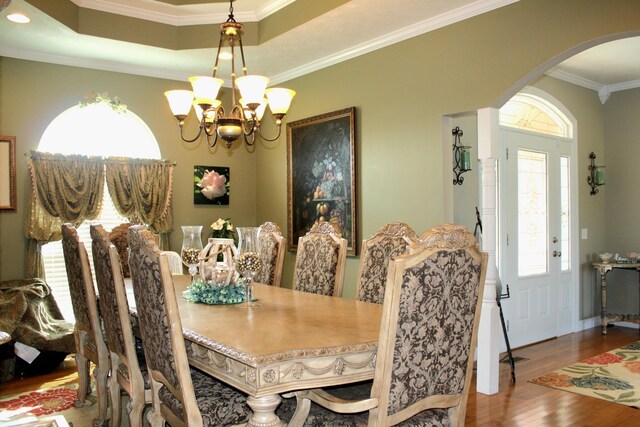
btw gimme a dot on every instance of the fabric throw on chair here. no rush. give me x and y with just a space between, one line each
613 376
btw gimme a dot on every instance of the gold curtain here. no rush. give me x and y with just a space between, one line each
68 187
141 191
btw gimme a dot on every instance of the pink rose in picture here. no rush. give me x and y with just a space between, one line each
213 185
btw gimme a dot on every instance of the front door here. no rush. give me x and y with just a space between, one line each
537 226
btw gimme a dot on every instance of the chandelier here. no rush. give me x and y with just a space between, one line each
245 114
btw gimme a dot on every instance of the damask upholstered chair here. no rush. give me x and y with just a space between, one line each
427 340
391 240
322 254
126 372
181 396
90 346
271 247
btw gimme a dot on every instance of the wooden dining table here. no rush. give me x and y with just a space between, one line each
284 341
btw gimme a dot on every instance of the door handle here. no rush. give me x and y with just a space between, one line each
556 253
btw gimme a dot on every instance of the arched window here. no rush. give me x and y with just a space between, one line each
92 130
531 112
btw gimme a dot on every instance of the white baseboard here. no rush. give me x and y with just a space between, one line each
595 321
627 325
589 323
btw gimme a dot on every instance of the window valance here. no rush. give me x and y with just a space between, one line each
69 188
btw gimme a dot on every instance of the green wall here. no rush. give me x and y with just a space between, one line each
404 92
403 95
622 226
33 93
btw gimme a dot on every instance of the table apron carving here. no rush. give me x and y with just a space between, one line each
283 376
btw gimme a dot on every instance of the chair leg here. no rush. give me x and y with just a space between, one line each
100 373
136 410
114 392
82 364
153 416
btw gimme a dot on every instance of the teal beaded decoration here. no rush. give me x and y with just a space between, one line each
207 293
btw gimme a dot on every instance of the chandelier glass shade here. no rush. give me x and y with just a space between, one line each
247 110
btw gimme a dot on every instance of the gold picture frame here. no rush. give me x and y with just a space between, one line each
321 175
8 173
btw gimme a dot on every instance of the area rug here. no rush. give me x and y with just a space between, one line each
47 402
612 376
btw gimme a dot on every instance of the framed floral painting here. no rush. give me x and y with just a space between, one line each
321 175
211 185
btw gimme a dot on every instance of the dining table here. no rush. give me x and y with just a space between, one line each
285 340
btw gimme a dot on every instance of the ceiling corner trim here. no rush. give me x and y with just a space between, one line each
574 79
174 16
271 8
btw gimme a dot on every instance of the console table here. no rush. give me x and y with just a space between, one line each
605 317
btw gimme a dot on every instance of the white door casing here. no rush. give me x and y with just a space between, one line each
544 294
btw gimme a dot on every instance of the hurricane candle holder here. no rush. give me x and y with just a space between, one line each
248 262
191 247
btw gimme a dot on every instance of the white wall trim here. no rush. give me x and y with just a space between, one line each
117 67
603 90
177 16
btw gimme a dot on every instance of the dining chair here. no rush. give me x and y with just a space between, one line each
389 241
271 248
127 374
180 396
90 346
175 262
428 335
320 261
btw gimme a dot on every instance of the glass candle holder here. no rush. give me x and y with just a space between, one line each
191 248
248 262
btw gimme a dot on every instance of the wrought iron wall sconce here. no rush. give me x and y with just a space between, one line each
461 157
596 175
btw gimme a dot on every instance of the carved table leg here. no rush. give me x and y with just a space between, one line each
264 411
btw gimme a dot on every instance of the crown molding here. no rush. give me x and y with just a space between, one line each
271 8
408 32
574 79
174 17
604 91
117 67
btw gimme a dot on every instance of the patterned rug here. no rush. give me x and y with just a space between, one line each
47 402
612 376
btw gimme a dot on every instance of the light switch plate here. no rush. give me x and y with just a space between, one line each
583 234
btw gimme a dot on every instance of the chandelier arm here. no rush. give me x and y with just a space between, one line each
194 138
250 130
215 140
253 139
274 138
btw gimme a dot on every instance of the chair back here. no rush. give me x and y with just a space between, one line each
320 260
271 248
391 240
429 329
118 236
114 306
83 293
161 330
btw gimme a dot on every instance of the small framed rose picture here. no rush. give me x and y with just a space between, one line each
211 185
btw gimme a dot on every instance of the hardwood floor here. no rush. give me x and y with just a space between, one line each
531 405
66 373
519 404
